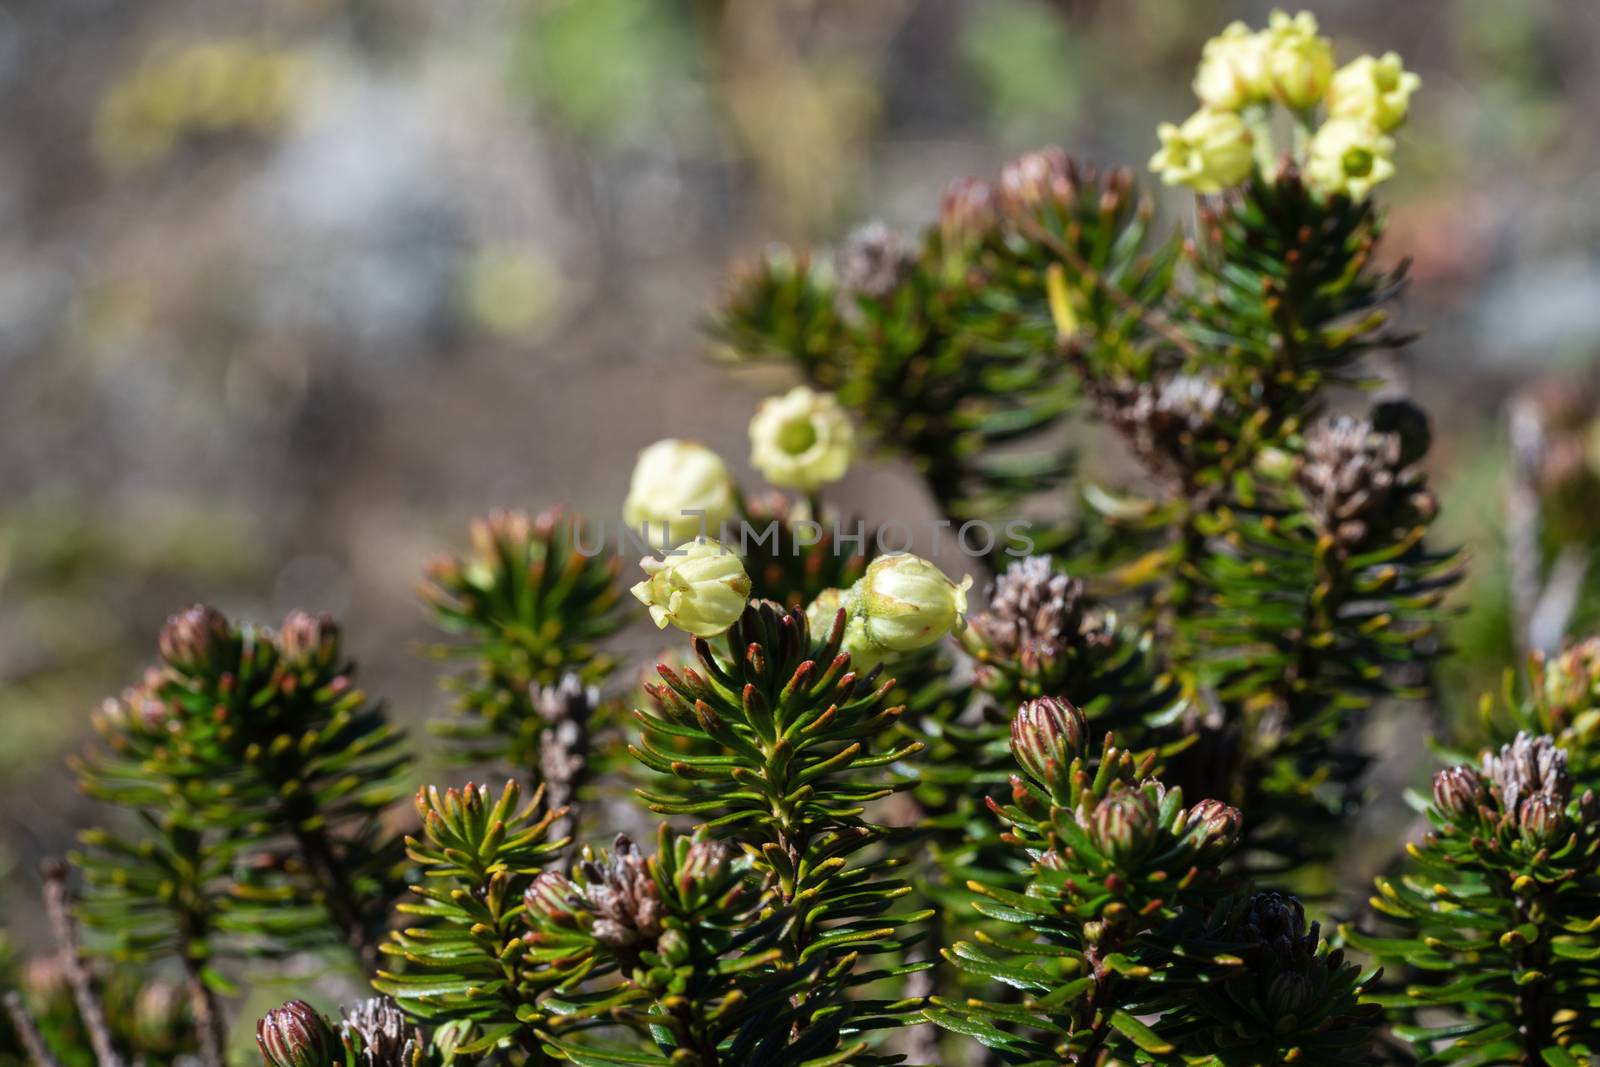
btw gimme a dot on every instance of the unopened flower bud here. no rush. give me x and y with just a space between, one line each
822 611
1211 151
1123 826
705 870
1232 70
802 439
1569 683
907 603
1457 792
967 214
306 640
1033 179
551 898
1348 157
1542 820
200 641
1299 63
1213 828
700 587
1375 91
295 1035
865 653
681 488
1290 994
1047 734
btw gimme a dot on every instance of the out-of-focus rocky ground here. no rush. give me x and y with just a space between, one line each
290 289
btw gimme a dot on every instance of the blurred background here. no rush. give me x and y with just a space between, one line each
291 289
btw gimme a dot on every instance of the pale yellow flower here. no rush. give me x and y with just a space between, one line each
802 439
1371 90
1210 151
1349 157
1299 63
1233 70
683 485
700 587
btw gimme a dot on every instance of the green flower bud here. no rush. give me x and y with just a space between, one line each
296 1036
705 870
967 215
673 479
200 641
1348 158
907 603
1374 91
1290 995
1568 684
865 653
306 640
1211 151
552 899
1213 828
1232 71
1299 63
1457 792
700 587
802 439
1047 734
1123 826
822 611
1033 180
1542 820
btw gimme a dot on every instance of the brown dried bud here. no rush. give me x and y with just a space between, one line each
1047 734
1527 766
1169 424
563 749
295 1035
384 1038
623 896
1356 481
871 263
1457 792
200 641
1035 614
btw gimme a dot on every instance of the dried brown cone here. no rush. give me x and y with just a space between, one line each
385 1038
872 263
1529 765
1357 483
623 896
1177 427
1034 610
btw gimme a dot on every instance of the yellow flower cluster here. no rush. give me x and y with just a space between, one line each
1244 72
225 85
